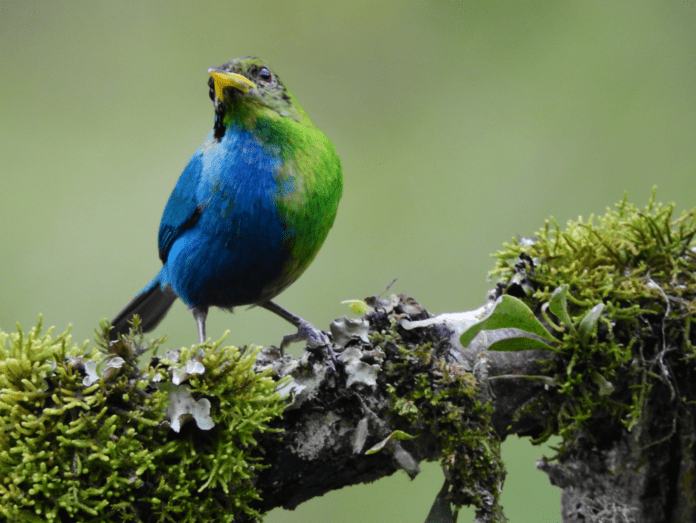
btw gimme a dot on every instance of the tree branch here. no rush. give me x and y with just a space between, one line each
587 336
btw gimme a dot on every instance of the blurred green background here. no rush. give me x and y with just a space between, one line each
459 125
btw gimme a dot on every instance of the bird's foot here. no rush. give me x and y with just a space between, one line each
316 339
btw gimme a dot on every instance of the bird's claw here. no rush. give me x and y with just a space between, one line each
315 338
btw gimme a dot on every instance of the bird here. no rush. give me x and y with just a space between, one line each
250 210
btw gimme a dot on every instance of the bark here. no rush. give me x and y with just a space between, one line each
645 474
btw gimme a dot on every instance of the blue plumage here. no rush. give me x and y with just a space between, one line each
236 249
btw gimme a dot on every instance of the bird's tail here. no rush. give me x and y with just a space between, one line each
151 304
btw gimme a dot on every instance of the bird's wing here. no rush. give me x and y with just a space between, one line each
183 208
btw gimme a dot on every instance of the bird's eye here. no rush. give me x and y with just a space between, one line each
265 74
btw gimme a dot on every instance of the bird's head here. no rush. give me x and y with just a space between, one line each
246 88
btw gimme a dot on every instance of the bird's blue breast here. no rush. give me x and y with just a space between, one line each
221 238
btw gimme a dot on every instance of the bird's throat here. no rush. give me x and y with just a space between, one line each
219 125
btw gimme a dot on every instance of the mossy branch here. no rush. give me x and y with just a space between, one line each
226 434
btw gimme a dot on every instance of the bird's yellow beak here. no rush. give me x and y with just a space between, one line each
224 79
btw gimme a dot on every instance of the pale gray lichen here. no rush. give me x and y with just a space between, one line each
358 372
344 330
182 407
191 367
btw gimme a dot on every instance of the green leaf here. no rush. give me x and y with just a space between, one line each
358 307
508 312
559 305
588 323
605 387
397 434
517 343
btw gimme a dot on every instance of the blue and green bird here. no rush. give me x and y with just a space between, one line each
251 209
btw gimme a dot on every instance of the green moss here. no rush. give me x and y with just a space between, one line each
437 399
73 450
640 264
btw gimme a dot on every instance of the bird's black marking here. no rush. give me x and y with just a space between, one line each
218 126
